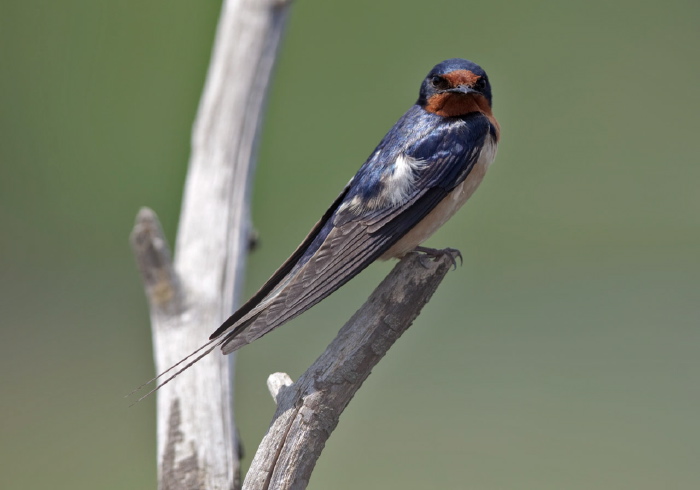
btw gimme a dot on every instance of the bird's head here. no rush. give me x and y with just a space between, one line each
454 88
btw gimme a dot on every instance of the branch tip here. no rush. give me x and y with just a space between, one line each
275 383
153 258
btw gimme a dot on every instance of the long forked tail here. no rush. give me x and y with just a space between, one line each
199 355
190 360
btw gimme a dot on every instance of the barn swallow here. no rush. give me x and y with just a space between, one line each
420 174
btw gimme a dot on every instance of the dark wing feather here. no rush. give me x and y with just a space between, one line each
346 251
347 240
283 270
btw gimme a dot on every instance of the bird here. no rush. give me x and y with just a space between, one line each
423 170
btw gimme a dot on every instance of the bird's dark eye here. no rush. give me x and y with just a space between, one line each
439 82
480 84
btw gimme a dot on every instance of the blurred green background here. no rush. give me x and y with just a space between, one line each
564 354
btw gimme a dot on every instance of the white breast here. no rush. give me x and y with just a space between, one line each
447 207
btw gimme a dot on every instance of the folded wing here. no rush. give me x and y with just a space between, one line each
362 224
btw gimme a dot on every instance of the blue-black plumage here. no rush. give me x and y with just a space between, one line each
428 164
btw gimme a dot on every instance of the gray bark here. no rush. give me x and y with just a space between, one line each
308 410
190 297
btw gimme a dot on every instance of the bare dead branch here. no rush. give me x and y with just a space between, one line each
190 297
308 410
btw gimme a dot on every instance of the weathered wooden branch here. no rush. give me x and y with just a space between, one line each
189 297
277 381
308 410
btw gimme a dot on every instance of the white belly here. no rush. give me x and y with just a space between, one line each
446 208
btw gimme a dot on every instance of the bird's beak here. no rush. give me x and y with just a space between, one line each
462 89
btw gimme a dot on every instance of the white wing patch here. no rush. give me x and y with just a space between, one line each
396 188
399 184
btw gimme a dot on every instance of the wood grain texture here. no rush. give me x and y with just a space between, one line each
190 296
308 410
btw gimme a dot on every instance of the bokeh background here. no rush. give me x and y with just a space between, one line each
564 354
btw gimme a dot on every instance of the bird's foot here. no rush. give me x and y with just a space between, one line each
434 253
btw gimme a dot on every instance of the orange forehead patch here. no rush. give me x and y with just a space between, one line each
461 77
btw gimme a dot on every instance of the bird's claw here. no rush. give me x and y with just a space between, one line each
434 253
